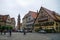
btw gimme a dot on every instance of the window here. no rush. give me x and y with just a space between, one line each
29 18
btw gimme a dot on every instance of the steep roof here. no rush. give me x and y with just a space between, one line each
13 20
52 14
4 17
32 13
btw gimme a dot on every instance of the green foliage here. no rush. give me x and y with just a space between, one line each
0 27
7 27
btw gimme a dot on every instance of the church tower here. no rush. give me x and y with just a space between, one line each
18 22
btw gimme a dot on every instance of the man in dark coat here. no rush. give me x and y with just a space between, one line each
10 32
24 31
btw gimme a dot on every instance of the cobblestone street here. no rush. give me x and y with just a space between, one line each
31 36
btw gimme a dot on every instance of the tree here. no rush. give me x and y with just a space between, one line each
8 27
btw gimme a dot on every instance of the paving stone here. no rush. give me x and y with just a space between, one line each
31 36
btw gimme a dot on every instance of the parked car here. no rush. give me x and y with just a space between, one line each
21 31
42 31
29 30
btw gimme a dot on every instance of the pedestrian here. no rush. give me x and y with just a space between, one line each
10 32
24 31
5 32
1 31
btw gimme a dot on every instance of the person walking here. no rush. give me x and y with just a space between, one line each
5 32
10 32
24 31
1 31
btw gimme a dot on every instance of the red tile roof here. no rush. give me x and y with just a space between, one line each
51 13
32 13
12 19
4 17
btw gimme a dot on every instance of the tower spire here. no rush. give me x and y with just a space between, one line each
18 24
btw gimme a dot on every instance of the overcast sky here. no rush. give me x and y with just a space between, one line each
15 7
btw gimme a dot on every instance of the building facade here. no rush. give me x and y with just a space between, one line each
28 20
47 20
5 20
13 23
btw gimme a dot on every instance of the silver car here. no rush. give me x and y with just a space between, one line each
42 31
